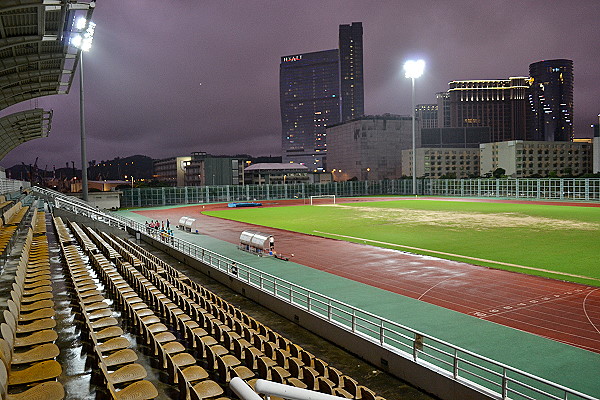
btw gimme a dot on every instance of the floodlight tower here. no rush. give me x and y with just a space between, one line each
82 39
413 70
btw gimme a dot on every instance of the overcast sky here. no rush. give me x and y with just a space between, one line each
166 78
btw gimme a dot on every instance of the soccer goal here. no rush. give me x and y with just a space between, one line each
322 199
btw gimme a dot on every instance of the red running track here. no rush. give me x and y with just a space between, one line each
562 311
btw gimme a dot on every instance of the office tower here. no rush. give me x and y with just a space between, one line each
499 104
309 100
351 71
319 89
551 100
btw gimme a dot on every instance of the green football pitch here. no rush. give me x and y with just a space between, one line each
561 242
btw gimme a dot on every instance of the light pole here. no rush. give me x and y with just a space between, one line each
413 70
83 41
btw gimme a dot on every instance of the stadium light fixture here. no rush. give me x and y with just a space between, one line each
82 39
413 69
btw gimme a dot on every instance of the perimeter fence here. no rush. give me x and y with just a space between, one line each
491 378
581 189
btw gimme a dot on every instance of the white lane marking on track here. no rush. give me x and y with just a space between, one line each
585 311
461 256
529 303
439 283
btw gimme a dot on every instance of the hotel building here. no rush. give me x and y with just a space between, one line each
316 90
499 104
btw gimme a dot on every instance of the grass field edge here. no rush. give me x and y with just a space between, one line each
587 280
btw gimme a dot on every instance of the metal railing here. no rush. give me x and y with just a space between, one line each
12 185
495 379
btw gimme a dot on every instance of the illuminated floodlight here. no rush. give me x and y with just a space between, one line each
80 23
83 39
76 40
414 68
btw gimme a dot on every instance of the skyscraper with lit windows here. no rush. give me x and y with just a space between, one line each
352 88
497 103
319 89
309 99
550 100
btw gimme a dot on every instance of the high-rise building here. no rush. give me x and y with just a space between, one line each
443 103
319 89
551 100
352 102
499 104
309 99
427 115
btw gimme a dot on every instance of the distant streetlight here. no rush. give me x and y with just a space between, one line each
82 39
413 70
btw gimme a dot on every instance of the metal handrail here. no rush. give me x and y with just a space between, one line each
428 351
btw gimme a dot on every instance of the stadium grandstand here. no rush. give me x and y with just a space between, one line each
96 304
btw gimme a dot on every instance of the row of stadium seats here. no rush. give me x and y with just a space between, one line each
4 203
263 350
27 350
11 220
160 342
199 340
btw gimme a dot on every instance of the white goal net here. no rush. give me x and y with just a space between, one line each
322 199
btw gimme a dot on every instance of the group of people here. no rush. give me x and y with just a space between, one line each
160 228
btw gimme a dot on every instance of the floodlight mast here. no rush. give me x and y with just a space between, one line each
82 40
413 69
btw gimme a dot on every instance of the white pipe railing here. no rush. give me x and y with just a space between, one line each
243 391
488 376
289 392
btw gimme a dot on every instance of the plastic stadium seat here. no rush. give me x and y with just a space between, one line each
51 390
41 371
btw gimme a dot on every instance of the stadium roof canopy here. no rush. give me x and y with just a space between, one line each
20 127
36 58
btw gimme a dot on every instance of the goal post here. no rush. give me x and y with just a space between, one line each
322 199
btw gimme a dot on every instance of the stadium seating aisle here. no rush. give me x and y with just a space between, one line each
179 366
27 350
113 361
